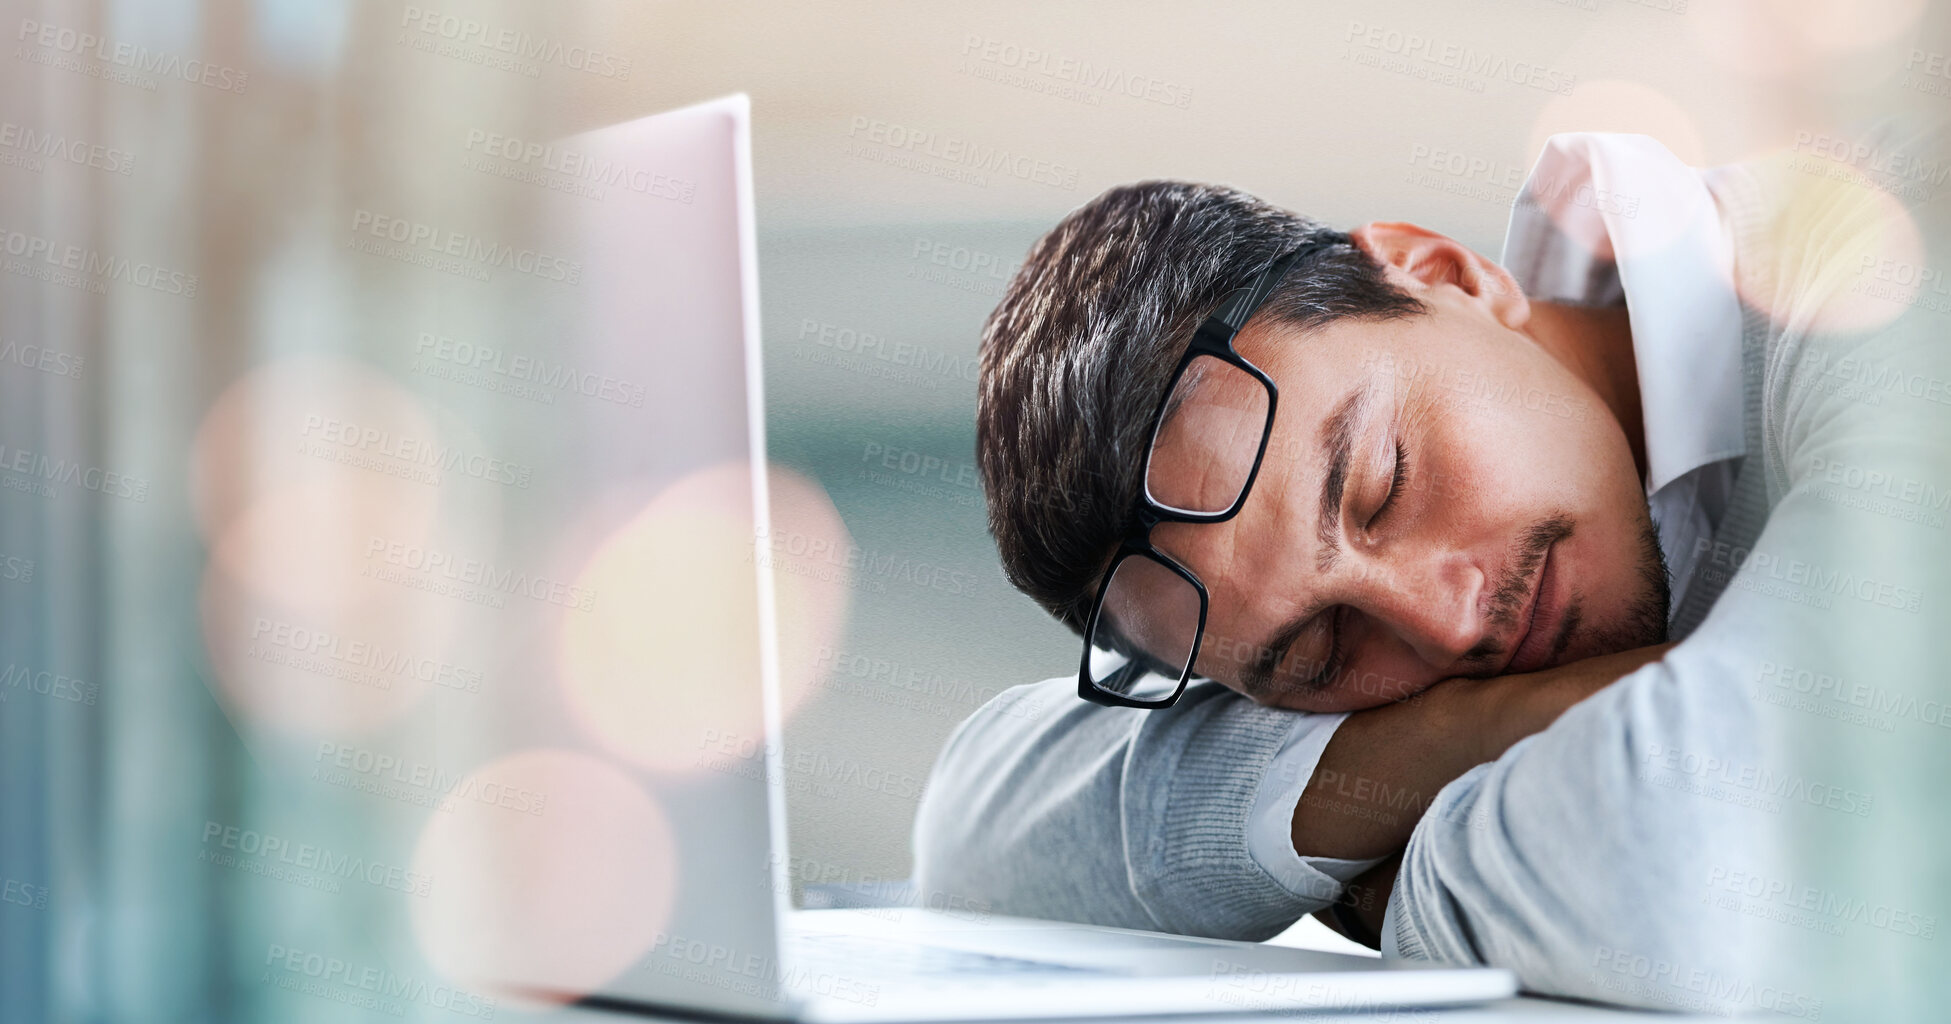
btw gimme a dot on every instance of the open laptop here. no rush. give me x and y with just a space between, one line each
662 231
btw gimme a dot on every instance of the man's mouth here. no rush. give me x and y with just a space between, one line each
1542 618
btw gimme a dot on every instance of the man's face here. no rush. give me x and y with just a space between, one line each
1440 497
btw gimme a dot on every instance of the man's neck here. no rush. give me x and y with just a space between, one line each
1596 344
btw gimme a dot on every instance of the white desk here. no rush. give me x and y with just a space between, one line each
1312 934
1521 1010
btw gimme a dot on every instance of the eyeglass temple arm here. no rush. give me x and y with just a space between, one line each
1238 306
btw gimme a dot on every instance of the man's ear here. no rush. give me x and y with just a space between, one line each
1429 260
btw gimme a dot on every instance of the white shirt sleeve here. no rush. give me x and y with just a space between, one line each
1270 825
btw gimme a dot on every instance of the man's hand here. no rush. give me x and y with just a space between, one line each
1357 913
1385 765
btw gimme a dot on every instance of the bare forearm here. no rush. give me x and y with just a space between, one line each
1385 765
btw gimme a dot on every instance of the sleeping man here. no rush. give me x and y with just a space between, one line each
1453 598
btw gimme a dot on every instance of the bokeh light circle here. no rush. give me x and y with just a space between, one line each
1619 105
1839 239
669 657
298 470
550 872
1768 39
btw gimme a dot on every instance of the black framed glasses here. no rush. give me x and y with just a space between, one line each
1208 438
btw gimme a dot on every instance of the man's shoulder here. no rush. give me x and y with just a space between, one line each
1057 697
1842 307
1049 713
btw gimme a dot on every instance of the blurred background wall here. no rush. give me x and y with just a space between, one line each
906 154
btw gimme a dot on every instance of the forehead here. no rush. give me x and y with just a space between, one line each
1207 443
1319 364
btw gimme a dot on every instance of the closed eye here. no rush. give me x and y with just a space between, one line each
1396 482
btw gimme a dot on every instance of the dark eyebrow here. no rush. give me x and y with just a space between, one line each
1337 437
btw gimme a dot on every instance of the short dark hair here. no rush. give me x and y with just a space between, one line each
1076 355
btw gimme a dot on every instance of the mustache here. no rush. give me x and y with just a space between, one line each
1508 597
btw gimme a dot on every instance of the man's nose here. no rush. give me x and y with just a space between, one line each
1431 602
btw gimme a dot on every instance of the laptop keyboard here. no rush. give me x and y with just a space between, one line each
842 953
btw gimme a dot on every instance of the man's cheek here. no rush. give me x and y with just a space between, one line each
1226 659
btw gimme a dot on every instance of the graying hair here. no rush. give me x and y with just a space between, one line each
1077 353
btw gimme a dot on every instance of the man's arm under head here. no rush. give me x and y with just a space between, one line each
1385 765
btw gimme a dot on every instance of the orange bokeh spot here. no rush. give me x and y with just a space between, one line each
1618 105
550 872
1777 38
302 469
317 432
668 658
1840 252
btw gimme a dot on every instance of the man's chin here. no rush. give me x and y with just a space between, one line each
1640 622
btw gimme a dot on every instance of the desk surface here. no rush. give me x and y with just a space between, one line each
1311 934
1521 1010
